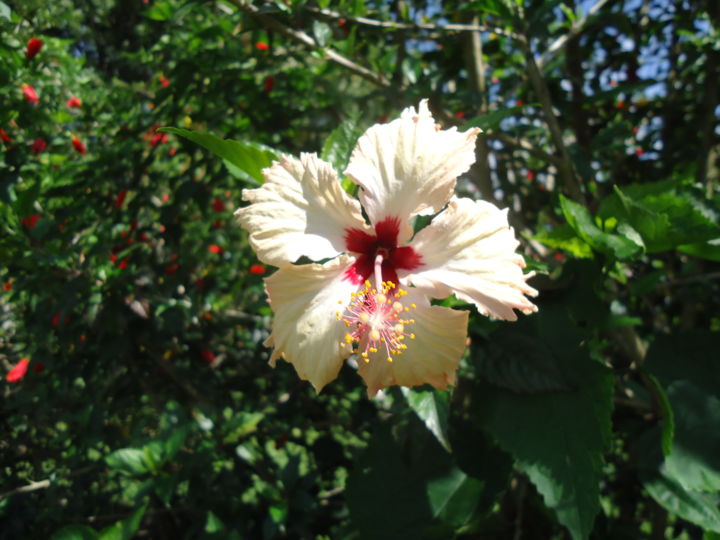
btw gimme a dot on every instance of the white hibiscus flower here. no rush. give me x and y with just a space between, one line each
371 297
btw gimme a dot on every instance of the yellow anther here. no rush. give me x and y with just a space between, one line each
380 298
413 306
412 336
339 301
399 328
389 359
407 309
364 355
348 338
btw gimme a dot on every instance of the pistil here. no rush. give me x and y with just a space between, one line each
373 318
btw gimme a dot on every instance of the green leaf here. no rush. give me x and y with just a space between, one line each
340 143
666 214
518 362
684 356
565 238
213 524
502 8
454 497
405 485
582 222
75 532
242 425
704 250
130 461
160 11
696 507
322 33
432 407
668 417
5 11
695 458
125 529
175 441
557 439
248 157
382 482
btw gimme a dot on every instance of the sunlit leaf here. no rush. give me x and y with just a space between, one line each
431 406
250 158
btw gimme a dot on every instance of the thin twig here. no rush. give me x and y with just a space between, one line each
566 168
576 29
305 39
392 25
43 484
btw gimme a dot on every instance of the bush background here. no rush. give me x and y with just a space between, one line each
148 409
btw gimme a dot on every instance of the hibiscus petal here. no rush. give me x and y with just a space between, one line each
301 209
409 166
305 331
431 358
469 250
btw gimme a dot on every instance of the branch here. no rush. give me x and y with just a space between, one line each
565 167
392 25
42 484
575 30
305 39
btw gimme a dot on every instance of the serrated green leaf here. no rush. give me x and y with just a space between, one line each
565 238
520 363
432 408
696 507
580 219
695 458
250 158
666 214
129 461
340 143
558 439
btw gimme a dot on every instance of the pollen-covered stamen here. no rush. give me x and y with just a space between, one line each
375 318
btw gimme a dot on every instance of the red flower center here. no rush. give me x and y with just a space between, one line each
383 243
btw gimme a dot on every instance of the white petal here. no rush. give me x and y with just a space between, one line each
301 209
469 250
409 166
431 358
305 330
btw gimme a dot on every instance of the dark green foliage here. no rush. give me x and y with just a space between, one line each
148 409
